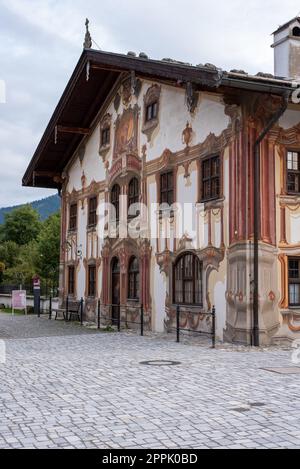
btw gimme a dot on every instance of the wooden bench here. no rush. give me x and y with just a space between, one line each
73 311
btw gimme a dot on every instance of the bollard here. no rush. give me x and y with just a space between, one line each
50 307
178 324
99 314
214 327
81 312
39 307
67 308
142 320
119 318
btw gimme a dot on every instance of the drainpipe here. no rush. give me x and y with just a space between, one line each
257 220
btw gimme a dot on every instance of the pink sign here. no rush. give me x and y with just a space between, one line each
18 299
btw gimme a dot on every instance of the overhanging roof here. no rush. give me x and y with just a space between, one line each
83 99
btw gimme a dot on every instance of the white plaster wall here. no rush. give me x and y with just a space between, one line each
158 296
220 304
289 119
295 228
281 60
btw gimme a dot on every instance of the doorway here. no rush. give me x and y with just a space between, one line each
115 290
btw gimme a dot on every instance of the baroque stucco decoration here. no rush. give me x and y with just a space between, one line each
152 96
192 97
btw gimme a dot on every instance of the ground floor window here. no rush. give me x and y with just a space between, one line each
133 279
92 280
187 285
71 280
294 281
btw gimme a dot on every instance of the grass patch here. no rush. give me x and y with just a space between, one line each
9 311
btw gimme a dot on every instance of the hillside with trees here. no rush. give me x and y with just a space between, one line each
45 207
29 246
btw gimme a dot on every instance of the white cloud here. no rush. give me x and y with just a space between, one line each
40 43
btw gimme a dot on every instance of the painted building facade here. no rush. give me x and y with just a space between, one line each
155 164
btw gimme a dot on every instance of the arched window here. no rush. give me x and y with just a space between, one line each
187 286
133 279
296 31
115 201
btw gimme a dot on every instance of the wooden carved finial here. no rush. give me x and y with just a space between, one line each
88 39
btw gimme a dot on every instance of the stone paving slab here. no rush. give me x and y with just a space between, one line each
89 390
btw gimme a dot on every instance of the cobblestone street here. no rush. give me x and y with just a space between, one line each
67 387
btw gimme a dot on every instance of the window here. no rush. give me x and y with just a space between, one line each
92 280
93 211
167 188
296 31
133 195
151 111
187 284
133 279
211 178
294 281
71 280
293 172
73 217
105 136
115 201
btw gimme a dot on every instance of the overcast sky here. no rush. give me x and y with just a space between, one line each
41 41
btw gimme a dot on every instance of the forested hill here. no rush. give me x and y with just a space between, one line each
45 207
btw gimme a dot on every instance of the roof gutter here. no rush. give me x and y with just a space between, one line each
257 219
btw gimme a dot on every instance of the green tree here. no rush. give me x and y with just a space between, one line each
23 267
21 226
9 252
48 248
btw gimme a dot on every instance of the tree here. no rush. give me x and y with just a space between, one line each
21 226
48 249
9 252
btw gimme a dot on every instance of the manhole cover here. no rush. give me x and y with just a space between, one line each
284 371
160 363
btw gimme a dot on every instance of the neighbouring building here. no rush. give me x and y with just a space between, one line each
219 150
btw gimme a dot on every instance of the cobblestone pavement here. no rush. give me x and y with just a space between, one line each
89 390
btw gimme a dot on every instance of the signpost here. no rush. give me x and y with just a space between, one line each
37 294
18 301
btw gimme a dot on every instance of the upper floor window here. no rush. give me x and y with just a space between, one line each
211 179
133 279
293 172
115 201
294 281
92 220
167 188
92 280
133 196
105 136
151 111
71 280
187 286
73 217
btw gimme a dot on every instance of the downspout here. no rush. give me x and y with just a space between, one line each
256 203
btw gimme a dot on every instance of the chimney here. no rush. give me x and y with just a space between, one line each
287 50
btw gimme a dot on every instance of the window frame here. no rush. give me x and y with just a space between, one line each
72 217
211 178
92 282
115 203
168 190
71 280
134 198
293 172
153 106
92 213
105 136
133 280
293 281
185 279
